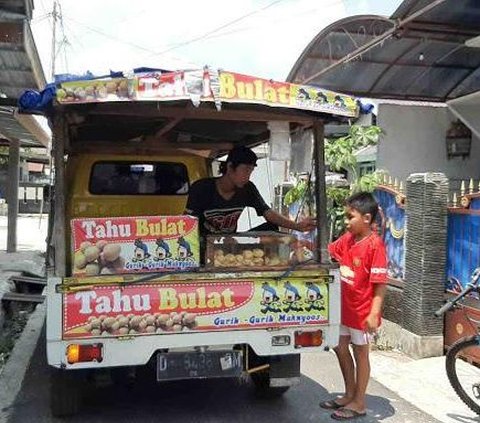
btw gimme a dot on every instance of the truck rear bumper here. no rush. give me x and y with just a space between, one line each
138 350
135 350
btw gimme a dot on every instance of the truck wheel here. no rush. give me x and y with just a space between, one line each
261 382
66 387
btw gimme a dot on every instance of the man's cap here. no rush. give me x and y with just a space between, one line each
242 155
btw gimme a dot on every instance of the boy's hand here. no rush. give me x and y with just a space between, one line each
371 323
306 225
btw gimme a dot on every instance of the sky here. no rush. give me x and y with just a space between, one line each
257 37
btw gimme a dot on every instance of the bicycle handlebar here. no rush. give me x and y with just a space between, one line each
471 286
447 306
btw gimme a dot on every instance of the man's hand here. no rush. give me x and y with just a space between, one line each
306 225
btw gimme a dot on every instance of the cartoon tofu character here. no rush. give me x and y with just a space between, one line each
270 299
292 298
339 101
162 250
303 94
184 250
313 298
140 251
321 98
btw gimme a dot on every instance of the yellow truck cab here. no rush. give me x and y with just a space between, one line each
126 286
104 185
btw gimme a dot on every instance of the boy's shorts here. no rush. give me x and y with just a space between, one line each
357 336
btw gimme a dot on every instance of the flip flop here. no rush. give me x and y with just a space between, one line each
330 405
347 414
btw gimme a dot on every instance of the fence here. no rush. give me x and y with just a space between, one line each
463 243
391 199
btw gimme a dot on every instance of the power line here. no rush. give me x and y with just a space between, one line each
65 41
54 40
43 6
72 33
275 21
113 37
214 33
175 46
129 17
39 19
206 34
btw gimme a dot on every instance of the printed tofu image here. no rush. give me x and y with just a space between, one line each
138 244
101 258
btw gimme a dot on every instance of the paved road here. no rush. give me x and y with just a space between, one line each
217 401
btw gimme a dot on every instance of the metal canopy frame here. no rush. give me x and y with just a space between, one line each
419 53
147 126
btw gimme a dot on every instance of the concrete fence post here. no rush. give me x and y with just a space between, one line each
425 261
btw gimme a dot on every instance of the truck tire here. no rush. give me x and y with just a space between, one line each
261 382
66 389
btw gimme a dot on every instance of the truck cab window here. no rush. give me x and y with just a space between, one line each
135 178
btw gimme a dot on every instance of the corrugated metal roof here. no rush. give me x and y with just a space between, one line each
417 54
21 7
20 70
20 66
10 127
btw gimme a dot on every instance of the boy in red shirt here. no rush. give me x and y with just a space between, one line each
363 274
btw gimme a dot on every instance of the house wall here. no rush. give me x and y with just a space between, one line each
414 141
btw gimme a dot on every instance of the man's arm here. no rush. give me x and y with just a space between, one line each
304 225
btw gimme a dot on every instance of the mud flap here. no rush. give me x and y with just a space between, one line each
284 370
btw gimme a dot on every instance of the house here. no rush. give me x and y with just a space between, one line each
21 70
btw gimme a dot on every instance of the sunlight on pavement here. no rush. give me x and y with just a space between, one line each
31 232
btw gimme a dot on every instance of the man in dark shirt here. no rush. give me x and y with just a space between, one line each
219 202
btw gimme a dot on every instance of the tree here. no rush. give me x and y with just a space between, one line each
340 155
340 152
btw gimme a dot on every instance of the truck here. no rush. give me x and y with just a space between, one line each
130 287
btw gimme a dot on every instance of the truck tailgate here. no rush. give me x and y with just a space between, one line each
114 307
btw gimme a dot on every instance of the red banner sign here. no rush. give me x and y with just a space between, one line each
186 306
208 85
134 244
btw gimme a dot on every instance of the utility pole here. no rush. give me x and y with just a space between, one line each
12 193
54 41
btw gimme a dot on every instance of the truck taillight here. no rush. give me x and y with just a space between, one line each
308 339
79 353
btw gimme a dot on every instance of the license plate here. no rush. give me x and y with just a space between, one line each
199 365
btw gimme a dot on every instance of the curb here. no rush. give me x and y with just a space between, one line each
11 378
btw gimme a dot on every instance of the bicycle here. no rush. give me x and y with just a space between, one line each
464 376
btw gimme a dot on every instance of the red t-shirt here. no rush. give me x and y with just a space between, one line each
362 264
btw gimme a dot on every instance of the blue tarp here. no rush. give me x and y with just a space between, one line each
32 101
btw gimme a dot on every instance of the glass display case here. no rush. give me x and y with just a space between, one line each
246 250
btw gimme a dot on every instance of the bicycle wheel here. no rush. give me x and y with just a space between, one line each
462 371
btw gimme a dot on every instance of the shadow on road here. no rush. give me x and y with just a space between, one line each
378 408
212 401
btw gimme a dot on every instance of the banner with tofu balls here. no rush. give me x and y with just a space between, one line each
103 246
195 305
